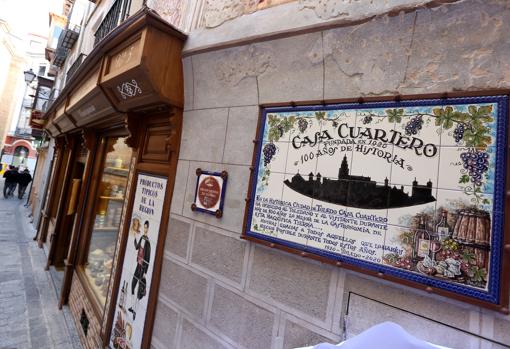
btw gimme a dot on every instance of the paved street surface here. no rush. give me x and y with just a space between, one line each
29 315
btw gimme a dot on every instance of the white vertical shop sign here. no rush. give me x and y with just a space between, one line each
135 282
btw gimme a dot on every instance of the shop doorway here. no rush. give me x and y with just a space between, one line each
70 199
20 156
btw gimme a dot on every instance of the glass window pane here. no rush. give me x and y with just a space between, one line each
107 210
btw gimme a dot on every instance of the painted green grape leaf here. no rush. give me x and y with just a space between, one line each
320 115
477 274
279 127
272 120
468 256
464 179
288 123
478 137
486 201
480 115
438 112
394 115
448 123
446 117
274 134
461 117
407 238
481 112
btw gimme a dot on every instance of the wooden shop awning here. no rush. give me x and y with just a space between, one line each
136 67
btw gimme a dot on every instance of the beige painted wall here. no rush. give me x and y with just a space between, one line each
218 291
11 76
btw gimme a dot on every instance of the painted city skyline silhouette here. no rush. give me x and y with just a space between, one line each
359 191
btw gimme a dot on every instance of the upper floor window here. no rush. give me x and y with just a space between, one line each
36 46
42 70
55 36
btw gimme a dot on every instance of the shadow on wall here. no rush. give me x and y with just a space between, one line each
363 312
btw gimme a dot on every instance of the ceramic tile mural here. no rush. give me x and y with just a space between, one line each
136 277
413 189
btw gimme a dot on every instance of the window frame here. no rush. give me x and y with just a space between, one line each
89 218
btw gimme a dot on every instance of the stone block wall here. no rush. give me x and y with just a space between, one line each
218 291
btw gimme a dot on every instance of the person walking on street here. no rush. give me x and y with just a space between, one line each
11 180
24 178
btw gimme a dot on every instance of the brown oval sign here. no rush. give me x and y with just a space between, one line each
209 192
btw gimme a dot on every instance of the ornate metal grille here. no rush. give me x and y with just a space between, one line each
116 15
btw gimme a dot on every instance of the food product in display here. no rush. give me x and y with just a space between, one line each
98 269
108 210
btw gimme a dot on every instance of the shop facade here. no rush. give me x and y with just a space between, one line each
116 131
135 132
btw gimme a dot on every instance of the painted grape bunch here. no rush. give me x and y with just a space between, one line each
302 125
458 133
414 125
281 130
405 263
367 119
476 163
269 151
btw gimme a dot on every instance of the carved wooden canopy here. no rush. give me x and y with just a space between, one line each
122 76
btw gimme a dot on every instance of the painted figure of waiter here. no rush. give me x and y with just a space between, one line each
143 257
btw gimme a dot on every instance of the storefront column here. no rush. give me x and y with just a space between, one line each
63 179
51 193
90 142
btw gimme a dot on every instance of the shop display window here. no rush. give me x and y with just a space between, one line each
108 211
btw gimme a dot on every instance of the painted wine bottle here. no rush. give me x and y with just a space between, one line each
122 295
442 227
421 241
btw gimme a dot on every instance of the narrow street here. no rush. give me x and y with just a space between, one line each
29 315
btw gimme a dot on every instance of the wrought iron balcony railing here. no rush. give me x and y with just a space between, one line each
46 104
23 131
69 36
66 40
116 15
60 56
74 67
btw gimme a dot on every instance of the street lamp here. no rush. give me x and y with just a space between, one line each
29 76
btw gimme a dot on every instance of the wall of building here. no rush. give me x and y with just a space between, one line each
32 50
218 291
11 79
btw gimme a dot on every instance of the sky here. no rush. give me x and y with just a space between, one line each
29 16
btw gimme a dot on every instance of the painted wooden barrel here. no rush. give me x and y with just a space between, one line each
473 227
